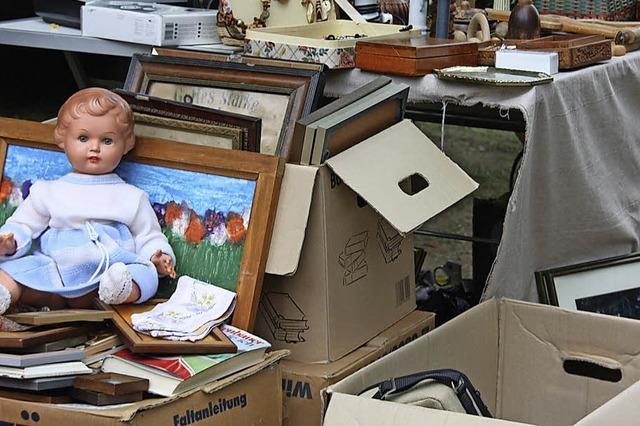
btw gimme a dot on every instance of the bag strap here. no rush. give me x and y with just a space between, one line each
468 395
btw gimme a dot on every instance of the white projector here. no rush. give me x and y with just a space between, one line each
154 24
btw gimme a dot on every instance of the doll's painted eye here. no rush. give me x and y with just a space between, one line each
108 141
83 138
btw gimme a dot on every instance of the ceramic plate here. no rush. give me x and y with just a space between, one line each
493 76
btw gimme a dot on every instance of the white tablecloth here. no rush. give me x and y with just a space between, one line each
577 196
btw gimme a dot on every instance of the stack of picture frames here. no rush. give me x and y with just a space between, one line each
216 206
278 92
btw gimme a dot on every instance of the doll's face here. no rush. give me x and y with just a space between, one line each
94 145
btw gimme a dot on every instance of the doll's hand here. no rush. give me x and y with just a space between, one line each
163 263
7 244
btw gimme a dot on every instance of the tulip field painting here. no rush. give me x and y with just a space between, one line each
205 217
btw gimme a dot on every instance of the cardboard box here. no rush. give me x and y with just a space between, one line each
149 23
302 383
534 364
290 36
307 42
245 398
354 275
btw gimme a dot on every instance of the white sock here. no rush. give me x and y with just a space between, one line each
116 284
5 300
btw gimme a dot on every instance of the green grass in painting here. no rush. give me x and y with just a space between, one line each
219 265
5 212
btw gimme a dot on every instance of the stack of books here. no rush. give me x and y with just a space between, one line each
171 375
46 351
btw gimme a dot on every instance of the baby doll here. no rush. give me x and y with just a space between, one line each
90 230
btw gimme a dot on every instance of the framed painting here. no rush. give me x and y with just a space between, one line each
608 286
278 95
216 206
180 122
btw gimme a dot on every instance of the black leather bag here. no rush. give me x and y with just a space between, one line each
444 389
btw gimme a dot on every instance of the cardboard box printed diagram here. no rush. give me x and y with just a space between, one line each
533 364
340 267
245 398
302 383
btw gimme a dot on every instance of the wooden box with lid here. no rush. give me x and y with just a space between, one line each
413 56
574 51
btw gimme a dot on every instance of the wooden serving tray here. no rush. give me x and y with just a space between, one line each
573 51
413 56
139 343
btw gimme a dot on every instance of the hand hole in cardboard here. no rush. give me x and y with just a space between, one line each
593 370
413 184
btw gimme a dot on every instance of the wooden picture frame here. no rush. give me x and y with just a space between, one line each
185 123
59 316
111 383
100 399
342 129
54 396
609 286
278 95
261 174
139 343
30 338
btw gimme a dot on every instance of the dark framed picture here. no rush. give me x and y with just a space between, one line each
608 286
215 206
185 123
278 95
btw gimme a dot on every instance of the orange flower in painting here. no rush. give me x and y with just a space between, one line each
236 229
196 230
173 213
5 188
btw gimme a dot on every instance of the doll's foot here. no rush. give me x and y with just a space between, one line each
116 284
5 300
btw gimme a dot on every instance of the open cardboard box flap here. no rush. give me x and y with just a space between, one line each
373 169
128 411
291 219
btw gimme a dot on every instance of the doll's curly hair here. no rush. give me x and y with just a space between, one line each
95 101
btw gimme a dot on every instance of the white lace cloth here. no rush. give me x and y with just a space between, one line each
190 314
